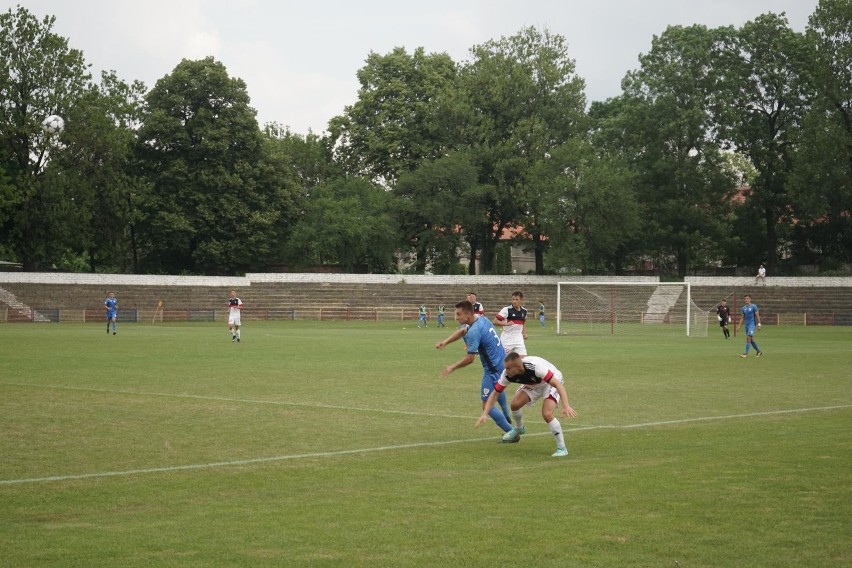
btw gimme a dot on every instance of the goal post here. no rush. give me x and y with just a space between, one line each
629 308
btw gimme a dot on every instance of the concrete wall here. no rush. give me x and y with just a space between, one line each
243 281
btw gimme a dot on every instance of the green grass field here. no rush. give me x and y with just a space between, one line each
339 444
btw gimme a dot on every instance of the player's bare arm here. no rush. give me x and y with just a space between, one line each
486 408
563 397
455 336
464 362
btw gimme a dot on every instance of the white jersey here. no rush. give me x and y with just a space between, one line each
234 307
536 380
537 370
512 336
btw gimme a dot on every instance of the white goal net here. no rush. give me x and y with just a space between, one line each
628 308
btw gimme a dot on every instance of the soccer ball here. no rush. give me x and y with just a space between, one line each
53 124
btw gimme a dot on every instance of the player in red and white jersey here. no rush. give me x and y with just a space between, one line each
513 320
235 305
539 379
478 309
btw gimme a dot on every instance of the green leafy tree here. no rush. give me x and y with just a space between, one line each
308 158
821 180
96 175
299 163
762 99
435 208
397 121
347 222
683 181
524 100
212 209
40 75
596 220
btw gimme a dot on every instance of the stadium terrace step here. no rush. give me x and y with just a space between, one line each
299 300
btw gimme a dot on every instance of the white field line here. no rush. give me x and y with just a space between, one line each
236 463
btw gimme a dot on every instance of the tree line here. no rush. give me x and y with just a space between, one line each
727 147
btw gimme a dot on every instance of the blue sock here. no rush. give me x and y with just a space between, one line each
748 346
497 416
756 348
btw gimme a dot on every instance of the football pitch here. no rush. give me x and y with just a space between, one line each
339 444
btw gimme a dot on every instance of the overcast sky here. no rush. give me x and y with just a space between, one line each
299 58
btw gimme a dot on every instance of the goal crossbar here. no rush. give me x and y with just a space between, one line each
612 307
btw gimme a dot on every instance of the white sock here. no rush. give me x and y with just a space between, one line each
518 418
556 430
238 334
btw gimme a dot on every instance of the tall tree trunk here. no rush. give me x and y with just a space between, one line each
474 246
538 250
771 238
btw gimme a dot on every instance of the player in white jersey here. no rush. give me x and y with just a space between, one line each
539 379
235 305
513 320
478 309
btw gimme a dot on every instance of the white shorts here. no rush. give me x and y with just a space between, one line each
234 320
541 390
514 347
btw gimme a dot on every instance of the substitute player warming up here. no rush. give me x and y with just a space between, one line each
539 379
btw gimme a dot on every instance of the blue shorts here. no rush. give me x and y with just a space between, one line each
489 379
111 314
750 329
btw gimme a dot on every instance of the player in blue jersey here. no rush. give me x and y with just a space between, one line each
111 307
481 338
751 319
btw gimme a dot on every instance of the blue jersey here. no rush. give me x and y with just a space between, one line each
482 338
749 311
111 304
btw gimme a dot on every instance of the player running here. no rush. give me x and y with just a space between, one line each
111 307
481 338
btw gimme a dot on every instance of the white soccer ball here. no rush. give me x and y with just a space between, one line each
53 124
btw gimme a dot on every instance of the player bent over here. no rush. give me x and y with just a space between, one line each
539 379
